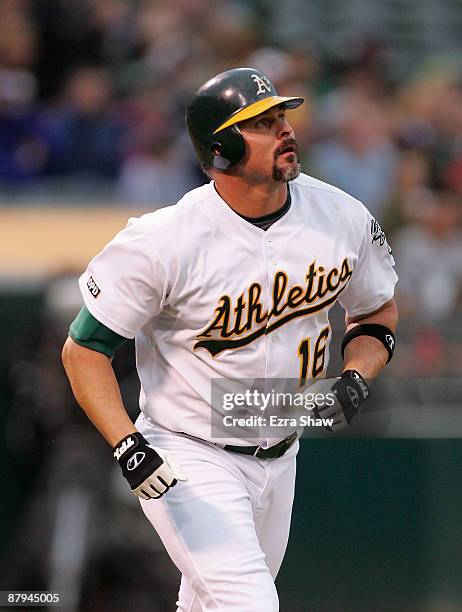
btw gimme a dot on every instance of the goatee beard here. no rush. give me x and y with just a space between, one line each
285 175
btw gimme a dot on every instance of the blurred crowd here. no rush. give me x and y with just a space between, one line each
93 92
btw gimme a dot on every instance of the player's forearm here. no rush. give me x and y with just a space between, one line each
96 389
367 354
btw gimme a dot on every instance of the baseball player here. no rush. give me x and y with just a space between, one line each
234 281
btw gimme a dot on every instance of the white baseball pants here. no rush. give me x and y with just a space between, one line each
226 528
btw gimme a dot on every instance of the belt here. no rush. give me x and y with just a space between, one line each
273 452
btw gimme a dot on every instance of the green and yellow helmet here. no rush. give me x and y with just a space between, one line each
220 104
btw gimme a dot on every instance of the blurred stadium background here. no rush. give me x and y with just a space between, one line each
92 98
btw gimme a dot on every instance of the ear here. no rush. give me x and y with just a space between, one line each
217 149
219 162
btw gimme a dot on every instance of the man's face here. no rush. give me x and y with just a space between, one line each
271 148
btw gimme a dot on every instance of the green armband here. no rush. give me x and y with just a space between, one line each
90 333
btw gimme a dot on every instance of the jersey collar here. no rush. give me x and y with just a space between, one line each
233 224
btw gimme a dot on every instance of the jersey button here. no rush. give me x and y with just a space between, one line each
274 338
274 260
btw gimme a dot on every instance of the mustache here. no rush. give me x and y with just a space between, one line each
290 144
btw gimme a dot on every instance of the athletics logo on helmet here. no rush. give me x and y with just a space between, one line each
220 104
264 85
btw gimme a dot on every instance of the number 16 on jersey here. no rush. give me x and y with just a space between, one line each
312 365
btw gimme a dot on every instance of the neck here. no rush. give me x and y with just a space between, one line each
250 200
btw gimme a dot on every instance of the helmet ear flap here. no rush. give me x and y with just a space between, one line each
219 162
217 149
229 150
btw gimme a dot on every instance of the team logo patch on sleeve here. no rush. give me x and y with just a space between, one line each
378 235
93 287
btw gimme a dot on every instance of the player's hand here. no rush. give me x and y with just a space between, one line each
350 391
149 470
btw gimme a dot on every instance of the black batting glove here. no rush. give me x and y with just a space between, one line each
344 398
150 471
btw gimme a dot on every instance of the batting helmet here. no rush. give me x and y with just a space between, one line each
220 104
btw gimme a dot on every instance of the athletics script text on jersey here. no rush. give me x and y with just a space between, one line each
322 287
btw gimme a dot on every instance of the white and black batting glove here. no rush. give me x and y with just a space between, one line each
149 470
344 397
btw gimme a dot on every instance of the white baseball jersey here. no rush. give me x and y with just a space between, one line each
209 295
